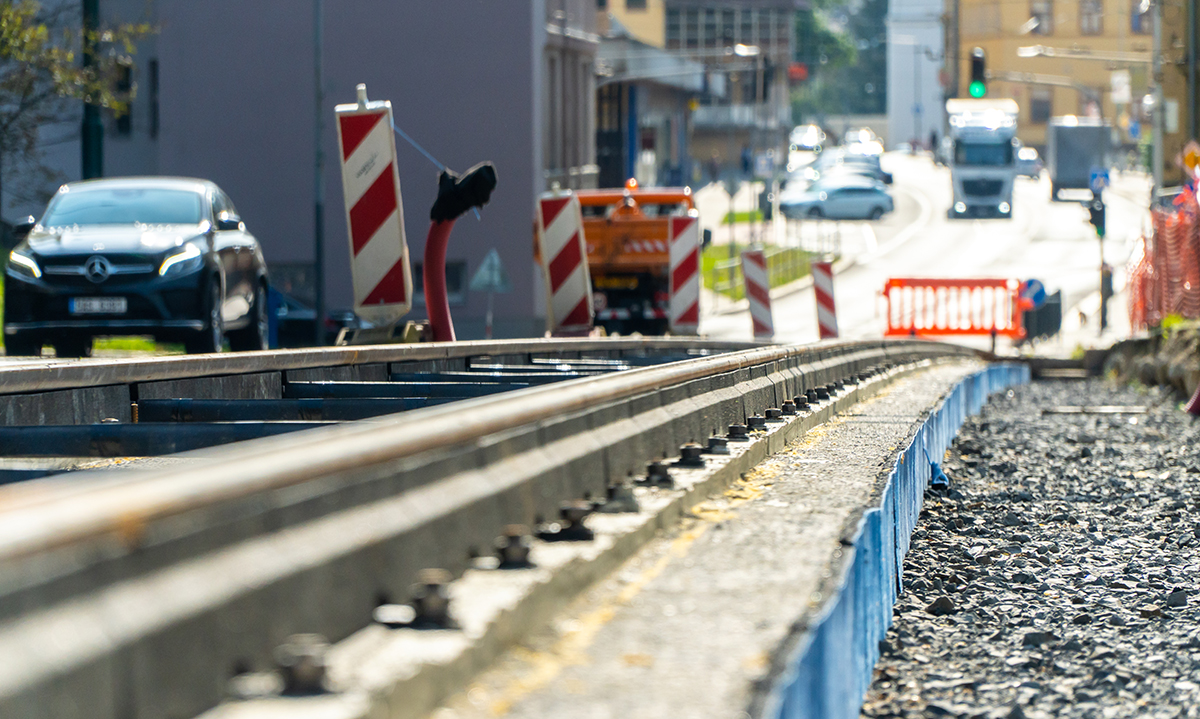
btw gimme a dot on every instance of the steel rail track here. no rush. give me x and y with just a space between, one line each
308 532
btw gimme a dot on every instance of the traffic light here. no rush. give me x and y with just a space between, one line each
978 86
1096 210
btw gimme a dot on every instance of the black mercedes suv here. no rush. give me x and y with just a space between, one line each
167 257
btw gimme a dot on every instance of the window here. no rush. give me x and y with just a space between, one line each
635 4
1091 17
1140 20
983 154
1043 12
601 4
1041 105
691 28
674 28
152 71
125 94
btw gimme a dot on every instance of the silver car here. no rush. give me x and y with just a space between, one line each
851 197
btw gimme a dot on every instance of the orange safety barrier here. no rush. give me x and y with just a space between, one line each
919 306
1164 269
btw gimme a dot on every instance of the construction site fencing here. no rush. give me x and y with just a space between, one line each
1164 268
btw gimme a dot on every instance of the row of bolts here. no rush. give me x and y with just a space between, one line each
301 660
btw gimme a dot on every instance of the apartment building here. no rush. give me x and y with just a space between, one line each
1098 45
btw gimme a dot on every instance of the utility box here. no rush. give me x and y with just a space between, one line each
1074 147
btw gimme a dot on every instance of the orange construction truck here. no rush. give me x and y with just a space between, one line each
628 254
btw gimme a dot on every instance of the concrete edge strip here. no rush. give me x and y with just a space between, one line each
830 667
418 688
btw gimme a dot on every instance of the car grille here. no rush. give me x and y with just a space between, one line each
72 271
982 188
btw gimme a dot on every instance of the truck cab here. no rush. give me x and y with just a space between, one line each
983 159
626 232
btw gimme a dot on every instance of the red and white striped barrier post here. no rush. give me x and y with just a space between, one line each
758 291
823 288
374 213
685 274
564 262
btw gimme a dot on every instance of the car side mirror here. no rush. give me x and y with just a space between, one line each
228 221
24 227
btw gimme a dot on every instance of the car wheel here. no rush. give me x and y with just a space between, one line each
816 212
257 335
22 345
73 347
876 213
212 337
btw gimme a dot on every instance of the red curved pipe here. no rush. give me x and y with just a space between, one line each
437 304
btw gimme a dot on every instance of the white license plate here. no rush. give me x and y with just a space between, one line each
99 305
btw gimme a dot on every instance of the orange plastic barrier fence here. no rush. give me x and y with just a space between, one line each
920 306
1164 269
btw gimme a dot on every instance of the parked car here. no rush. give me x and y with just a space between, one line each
168 257
840 159
1029 164
850 197
808 137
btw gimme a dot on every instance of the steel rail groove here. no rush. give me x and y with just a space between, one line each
306 532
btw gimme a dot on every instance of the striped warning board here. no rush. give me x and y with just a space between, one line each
685 274
564 262
374 213
823 288
758 292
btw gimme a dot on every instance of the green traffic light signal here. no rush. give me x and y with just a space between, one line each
977 89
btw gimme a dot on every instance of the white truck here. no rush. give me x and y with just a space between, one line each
983 160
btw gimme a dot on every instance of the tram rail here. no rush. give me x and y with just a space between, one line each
240 547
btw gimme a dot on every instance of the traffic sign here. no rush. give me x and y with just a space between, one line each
1099 180
1035 292
491 277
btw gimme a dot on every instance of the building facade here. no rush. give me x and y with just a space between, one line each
227 91
752 115
916 54
1117 33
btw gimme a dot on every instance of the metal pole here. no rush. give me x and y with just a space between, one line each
92 133
1191 71
1157 77
319 173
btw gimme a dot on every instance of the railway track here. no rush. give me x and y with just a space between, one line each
354 474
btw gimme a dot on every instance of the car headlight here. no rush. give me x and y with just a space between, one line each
186 260
24 265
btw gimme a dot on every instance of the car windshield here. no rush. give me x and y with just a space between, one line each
124 206
990 154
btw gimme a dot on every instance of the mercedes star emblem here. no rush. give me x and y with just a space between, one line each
97 269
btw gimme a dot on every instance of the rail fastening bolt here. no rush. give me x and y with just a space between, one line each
513 546
789 407
801 402
431 598
572 528
620 499
717 445
738 433
658 475
822 392
811 395
758 422
774 414
301 662
691 455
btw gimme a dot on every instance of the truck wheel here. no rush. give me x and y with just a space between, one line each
876 213
816 213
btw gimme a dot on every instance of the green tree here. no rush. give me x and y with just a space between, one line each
42 82
847 40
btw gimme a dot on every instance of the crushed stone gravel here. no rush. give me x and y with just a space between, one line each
1058 575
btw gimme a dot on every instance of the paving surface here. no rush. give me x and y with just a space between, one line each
689 626
1059 577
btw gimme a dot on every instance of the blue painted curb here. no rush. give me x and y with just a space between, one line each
833 665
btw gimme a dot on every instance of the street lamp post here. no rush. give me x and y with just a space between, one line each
1157 75
319 174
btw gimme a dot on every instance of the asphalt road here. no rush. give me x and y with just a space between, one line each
1049 241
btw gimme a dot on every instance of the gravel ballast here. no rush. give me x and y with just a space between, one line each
1058 576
